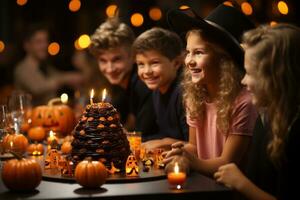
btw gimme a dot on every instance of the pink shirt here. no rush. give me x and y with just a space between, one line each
210 141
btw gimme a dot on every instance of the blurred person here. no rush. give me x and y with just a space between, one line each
111 44
34 74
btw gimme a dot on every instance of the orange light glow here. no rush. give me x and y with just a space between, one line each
104 93
111 10
283 7
2 46
53 48
21 2
76 45
155 14
247 8
137 19
273 23
84 41
228 3
74 5
184 7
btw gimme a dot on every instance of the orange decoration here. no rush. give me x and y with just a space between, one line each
35 149
113 169
21 174
37 133
132 167
52 159
66 147
19 141
90 174
59 118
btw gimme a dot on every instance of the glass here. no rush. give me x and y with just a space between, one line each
19 105
135 141
177 172
3 126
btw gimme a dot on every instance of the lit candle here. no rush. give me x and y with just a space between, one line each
91 96
104 95
11 144
176 177
51 137
64 98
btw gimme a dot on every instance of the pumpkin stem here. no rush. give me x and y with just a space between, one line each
16 155
54 101
89 159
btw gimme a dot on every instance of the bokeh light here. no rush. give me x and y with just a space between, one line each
155 14
137 19
74 5
247 8
53 48
184 7
84 41
273 23
2 46
228 3
21 2
283 7
111 10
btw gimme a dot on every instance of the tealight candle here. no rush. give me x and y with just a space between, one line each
104 95
176 177
51 138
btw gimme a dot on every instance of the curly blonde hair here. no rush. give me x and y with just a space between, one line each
195 95
111 34
278 69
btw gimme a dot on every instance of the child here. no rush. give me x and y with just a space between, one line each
159 59
111 45
272 74
220 114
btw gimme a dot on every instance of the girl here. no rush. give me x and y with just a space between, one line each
272 74
220 114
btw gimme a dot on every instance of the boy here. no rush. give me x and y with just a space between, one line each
159 59
111 45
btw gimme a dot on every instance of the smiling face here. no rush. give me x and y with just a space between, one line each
116 65
251 77
201 61
156 70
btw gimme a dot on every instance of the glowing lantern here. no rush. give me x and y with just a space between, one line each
132 167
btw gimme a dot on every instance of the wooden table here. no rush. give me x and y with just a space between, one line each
197 186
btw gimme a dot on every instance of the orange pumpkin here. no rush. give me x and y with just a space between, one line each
19 141
35 149
59 118
21 174
90 174
66 147
37 133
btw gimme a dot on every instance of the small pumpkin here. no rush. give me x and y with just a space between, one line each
66 147
90 174
35 149
59 118
19 142
21 174
37 133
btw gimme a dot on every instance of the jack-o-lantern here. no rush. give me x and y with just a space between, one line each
15 142
35 149
59 118
21 174
132 167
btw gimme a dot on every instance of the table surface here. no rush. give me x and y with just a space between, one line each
197 185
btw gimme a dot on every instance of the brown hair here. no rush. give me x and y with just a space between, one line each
111 34
278 67
194 95
161 40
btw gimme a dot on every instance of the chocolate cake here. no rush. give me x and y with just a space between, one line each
99 134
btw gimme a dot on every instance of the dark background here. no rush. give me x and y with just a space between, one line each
66 26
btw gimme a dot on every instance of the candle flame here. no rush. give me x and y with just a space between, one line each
176 168
104 94
11 144
64 98
92 94
51 134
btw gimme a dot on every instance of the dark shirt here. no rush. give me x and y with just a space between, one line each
137 100
170 115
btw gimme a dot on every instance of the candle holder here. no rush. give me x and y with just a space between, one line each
176 173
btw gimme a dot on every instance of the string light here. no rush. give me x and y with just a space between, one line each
111 10
53 48
74 5
184 7
84 41
21 2
2 46
137 19
247 8
283 7
155 14
228 3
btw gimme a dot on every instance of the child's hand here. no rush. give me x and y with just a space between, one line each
230 176
152 144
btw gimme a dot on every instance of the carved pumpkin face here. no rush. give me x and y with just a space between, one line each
59 118
132 167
